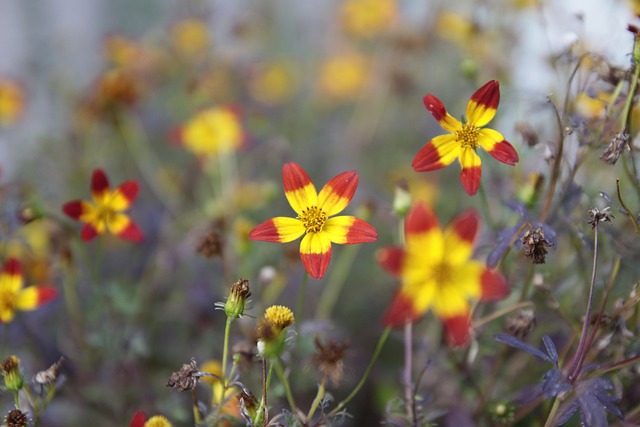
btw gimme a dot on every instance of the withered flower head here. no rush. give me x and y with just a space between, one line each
248 404
50 375
521 324
535 245
598 216
210 245
234 307
615 147
12 372
16 418
329 359
186 378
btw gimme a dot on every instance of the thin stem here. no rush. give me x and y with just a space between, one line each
277 364
626 209
626 112
376 353
484 201
225 350
408 352
552 414
581 353
555 171
319 396
196 412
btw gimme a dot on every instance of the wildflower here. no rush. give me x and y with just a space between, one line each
343 77
465 138
213 131
139 419
14 297
367 18
329 359
11 101
273 83
443 277
106 211
314 218
16 418
190 36
535 245
270 328
12 373
186 378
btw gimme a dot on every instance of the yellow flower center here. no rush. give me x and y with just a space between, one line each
468 136
279 316
313 219
7 301
442 273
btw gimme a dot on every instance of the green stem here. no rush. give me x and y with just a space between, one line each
225 350
485 207
319 397
337 279
626 209
552 414
277 364
376 354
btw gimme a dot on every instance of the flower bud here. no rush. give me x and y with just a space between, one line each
234 307
401 199
13 378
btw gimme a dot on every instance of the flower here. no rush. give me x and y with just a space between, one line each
437 273
314 211
212 131
367 18
11 101
269 330
14 297
442 150
106 211
190 36
139 419
343 77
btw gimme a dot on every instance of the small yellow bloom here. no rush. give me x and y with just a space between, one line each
190 36
273 83
213 131
279 316
592 107
344 77
367 18
121 51
157 421
11 101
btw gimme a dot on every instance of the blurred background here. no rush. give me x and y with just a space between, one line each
333 86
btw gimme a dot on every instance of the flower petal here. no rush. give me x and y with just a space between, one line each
494 143
99 186
138 419
471 170
400 311
460 235
122 226
494 286
278 230
89 232
298 188
315 252
441 151
458 329
483 104
77 209
391 259
33 297
420 219
337 193
11 277
452 298
349 230
124 195
436 108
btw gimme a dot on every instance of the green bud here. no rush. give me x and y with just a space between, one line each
13 378
234 307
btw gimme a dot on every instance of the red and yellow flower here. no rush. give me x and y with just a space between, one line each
107 210
465 138
437 273
315 219
140 419
13 296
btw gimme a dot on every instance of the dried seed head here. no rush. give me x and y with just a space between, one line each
521 324
50 375
248 403
186 378
535 245
329 359
614 149
16 418
210 245
598 216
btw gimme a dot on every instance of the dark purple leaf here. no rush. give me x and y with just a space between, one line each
503 240
520 345
551 349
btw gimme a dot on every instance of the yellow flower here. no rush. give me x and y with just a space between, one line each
14 297
157 421
367 18
190 36
279 316
592 107
213 131
344 77
11 101
272 83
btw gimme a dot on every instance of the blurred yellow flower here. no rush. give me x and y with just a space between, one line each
273 83
592 107
121 51
32 245
634 5
157 421
11 101
344 76
213 131
231 405
368 18
190 36
454 27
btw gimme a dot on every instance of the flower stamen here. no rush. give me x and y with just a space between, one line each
313 219
468 136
